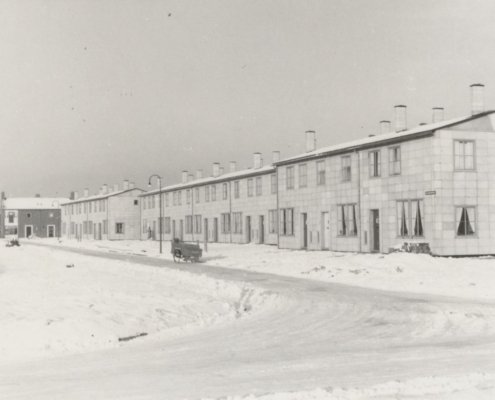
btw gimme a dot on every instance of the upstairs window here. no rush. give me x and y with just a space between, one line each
273 183
466 221
250 188
213 193
303 175
464 155
207 193
259 186
320 173
196 194
346 168
236 190
289 178
224 191
394 161
374 163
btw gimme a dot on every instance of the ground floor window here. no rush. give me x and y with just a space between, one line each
287 221
119 227
346 220
466 221
166 222
197 224
272 221
225 223
189 223
105 227
237 217
410 218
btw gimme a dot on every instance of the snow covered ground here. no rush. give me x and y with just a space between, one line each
243 325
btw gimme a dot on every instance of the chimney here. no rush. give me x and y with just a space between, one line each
437 114
104 188
216 169
477 98
310 141
232 166
132 185
400 118
385 127
76 195
116 187
190 177
257 161
126 184
184 176
275 156
199 174
86 192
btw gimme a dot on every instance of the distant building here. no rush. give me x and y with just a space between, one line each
27 217
110 214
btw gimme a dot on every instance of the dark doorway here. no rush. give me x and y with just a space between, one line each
304 218
262 229
248 229
215 230
375 230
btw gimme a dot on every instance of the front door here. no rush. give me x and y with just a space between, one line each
304 221
28 231
181 229
262 229
173 230
99 230
51 231
375 230
215 230
206 230
325 229
248 229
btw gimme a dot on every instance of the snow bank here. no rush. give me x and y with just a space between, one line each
468 277
57 303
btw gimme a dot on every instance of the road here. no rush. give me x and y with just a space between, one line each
311 335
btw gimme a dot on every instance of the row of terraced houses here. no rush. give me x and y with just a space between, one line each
432 184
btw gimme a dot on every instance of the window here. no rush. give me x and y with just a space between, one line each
225 223
466 221
224 191
166 200
197 224
346 168
214 193
207 193
136 202
303 175
103 204
346 220
166 222
189 224
85 206
320 173
236 189
273 183
259 186
29 215
250 188
105 226
289 178
374 163
287 221
410 216
119 227
237 217
272 221
394 160
188 196
152 198
11 217
179 198
196 194
463 155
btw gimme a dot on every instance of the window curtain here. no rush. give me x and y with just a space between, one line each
403 231
417 215
466 221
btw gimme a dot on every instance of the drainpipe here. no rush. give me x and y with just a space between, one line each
230 210
192 211
359 200
278 211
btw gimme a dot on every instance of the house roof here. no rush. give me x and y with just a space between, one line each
100 196
246 173
33 203
386 138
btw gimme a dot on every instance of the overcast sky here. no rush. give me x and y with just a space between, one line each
99 91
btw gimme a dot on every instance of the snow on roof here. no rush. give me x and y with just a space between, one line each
99 196
209 180
367 141
34 203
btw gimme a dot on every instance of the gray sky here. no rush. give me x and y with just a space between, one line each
94 92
